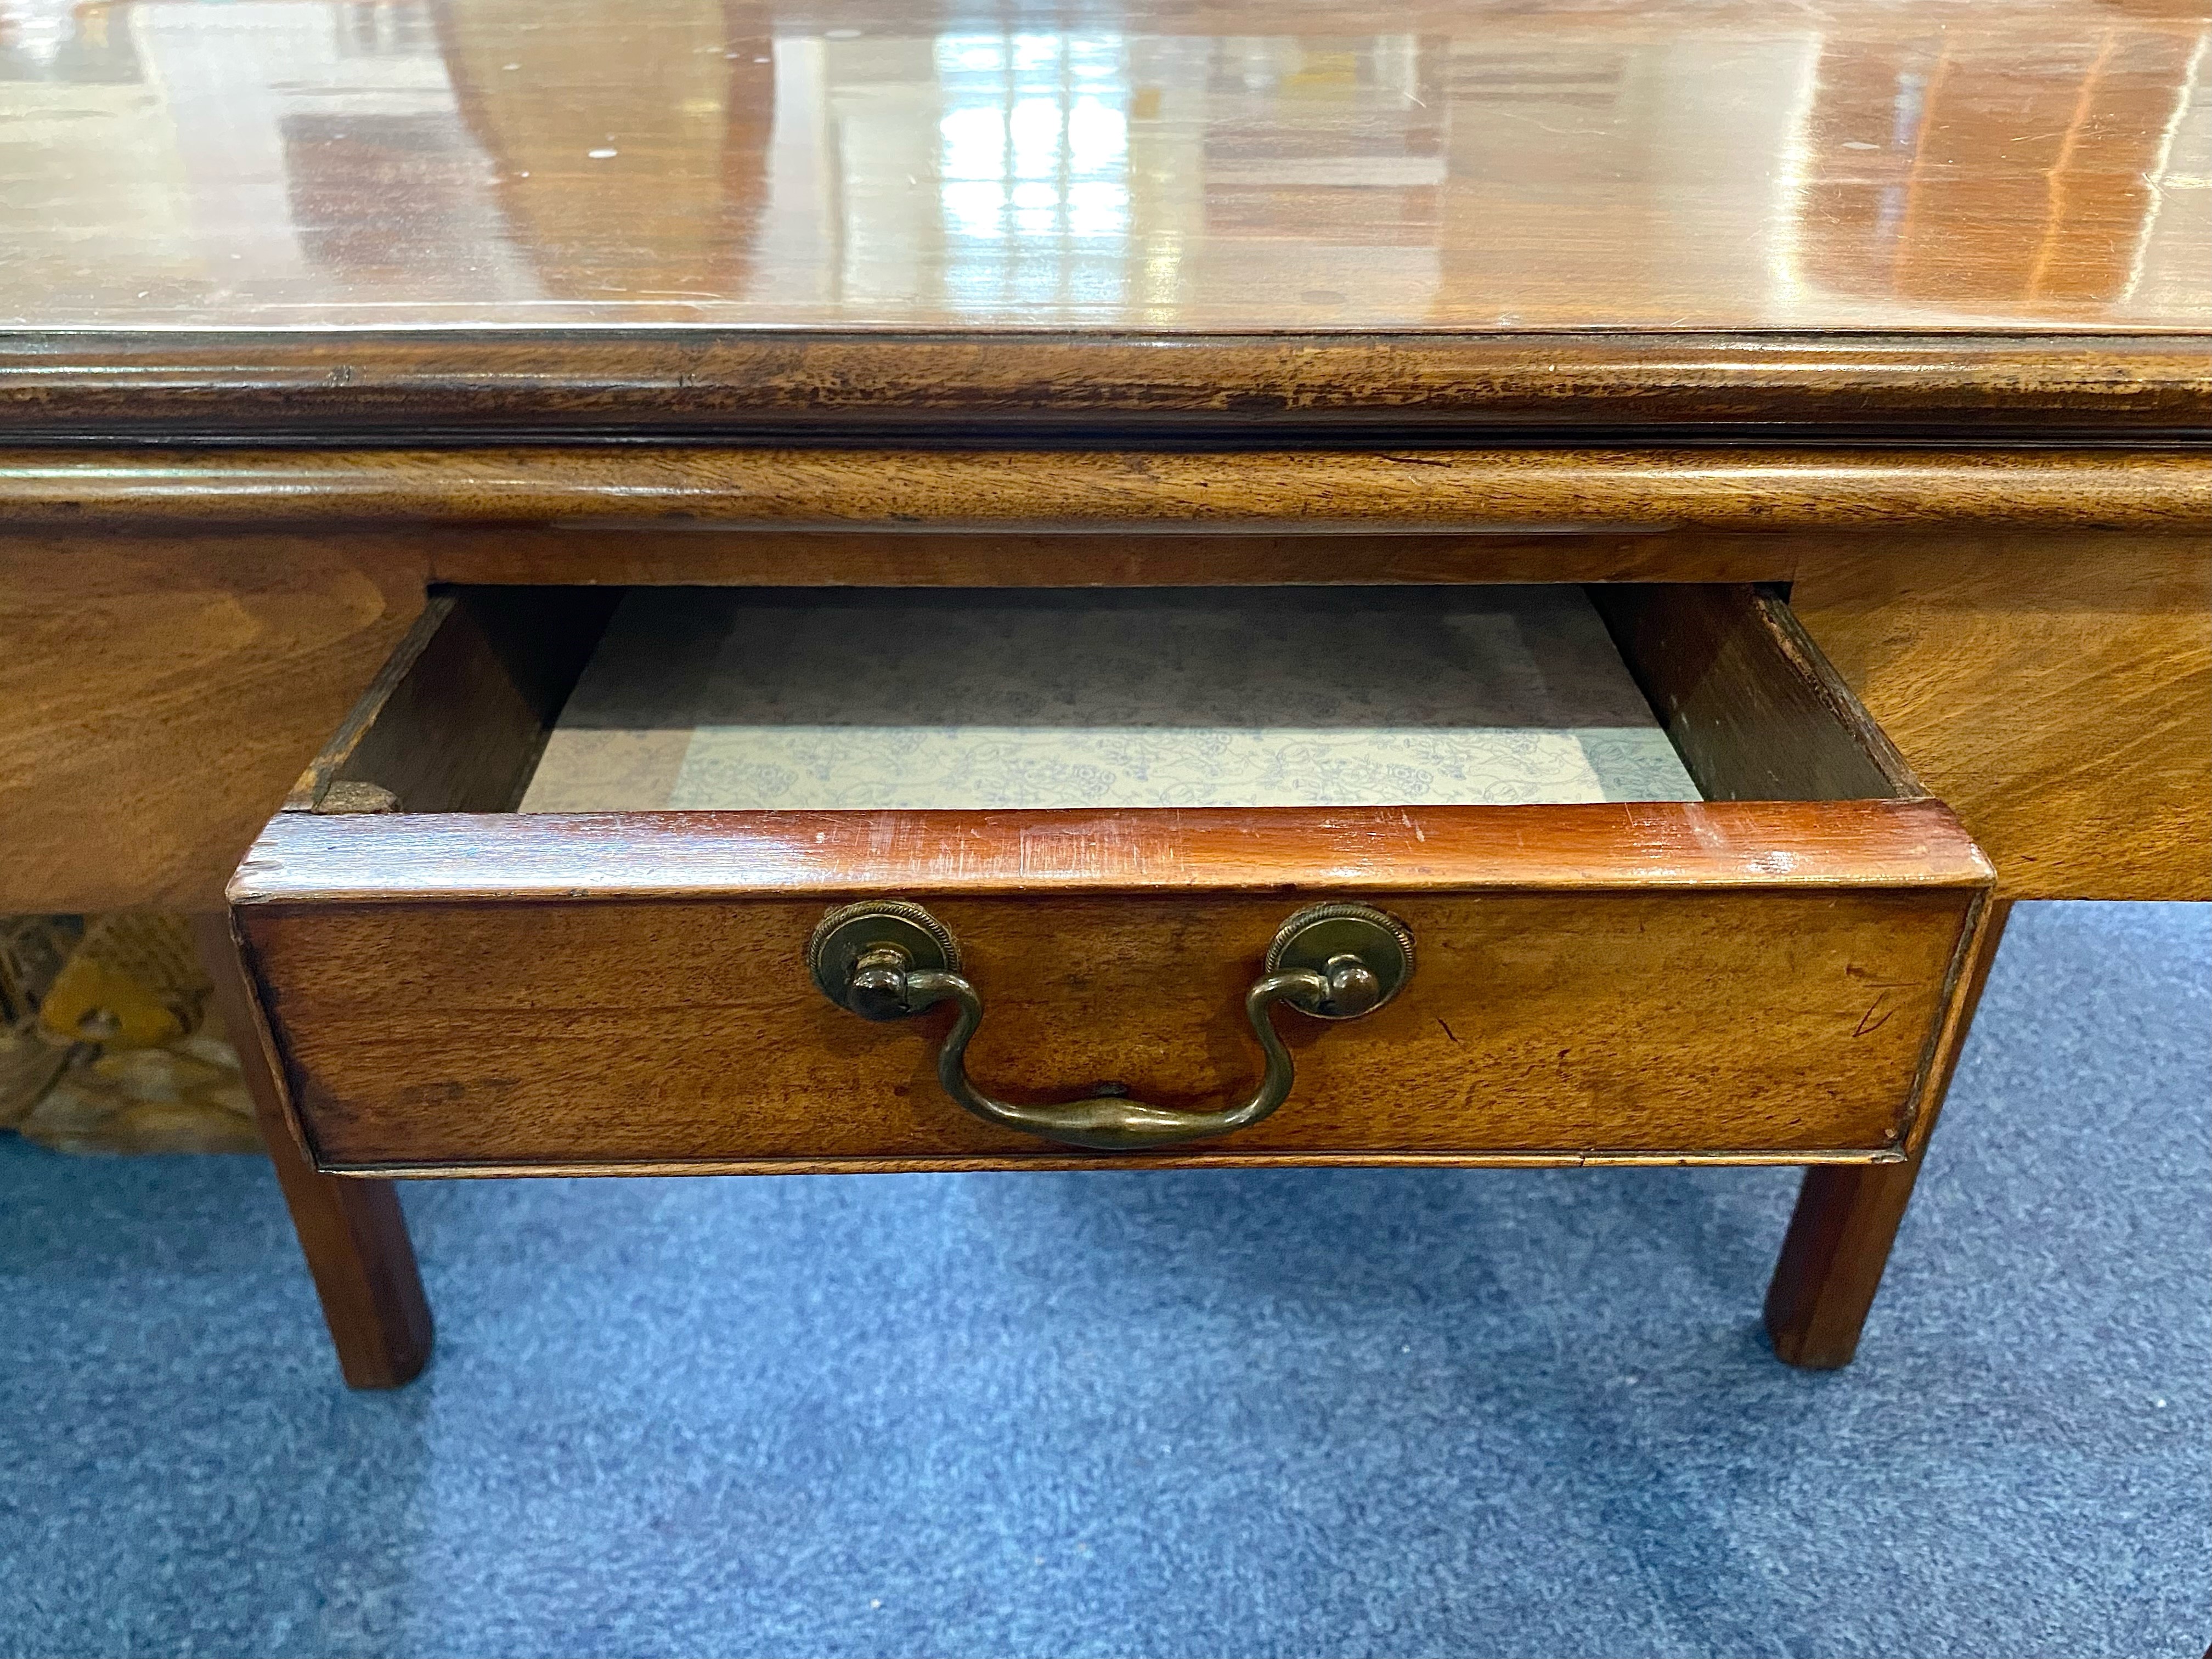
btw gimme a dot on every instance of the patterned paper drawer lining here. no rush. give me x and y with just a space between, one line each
1250 697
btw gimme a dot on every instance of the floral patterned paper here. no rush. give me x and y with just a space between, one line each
1250 697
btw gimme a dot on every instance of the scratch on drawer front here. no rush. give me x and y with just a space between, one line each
1112 848
1868 1022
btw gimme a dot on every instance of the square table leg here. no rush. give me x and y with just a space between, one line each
351 1231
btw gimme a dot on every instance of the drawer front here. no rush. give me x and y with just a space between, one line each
1765 1024
1727 979
1738 981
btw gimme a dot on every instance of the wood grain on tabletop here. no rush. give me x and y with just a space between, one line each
2056 690
1030 490
1120 208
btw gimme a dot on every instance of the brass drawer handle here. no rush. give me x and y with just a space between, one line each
887 959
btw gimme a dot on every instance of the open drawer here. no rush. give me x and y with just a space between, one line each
896 880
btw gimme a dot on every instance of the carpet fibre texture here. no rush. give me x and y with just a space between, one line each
1295 1412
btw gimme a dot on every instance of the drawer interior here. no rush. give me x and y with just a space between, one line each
572 700
736 700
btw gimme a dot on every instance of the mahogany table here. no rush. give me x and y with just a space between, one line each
359 358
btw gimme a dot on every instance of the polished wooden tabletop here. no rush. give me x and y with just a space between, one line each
1136 166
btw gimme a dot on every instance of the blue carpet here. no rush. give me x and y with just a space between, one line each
1302 1412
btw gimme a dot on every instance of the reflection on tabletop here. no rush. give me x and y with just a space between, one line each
1158 165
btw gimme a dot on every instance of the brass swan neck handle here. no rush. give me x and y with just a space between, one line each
1112 1123
890 960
